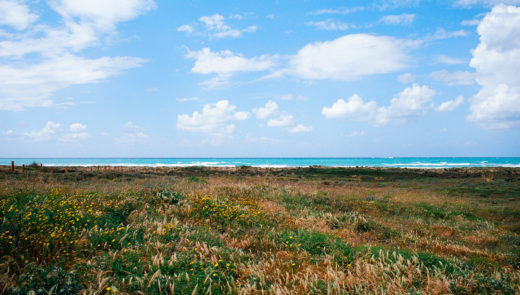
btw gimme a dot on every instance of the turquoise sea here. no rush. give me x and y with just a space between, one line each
274 162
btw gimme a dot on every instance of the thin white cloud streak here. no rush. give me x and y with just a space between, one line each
396 19
329 25
215 27
454 78
31 81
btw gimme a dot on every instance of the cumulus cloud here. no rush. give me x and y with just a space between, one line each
350 57
215 119
46 59
76 132
454 78
409 103
450 105
403 19
77 127
216 27
266 111
44 134
496 61
225 63
300 129
54 131
16 15
354 108
282 121
329 25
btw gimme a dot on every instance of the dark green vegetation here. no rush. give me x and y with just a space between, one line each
247 230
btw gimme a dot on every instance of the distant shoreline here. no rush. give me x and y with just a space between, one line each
389 162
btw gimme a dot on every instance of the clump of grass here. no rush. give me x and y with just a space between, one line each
224 211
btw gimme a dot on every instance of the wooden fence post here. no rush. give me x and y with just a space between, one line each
41 167
12 166
23 168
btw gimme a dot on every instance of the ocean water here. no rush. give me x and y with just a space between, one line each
273 162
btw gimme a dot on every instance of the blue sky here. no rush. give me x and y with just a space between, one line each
151 78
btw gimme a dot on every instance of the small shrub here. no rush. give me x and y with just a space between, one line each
47 280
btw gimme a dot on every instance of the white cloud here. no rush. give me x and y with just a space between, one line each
32 85
216 27
441 34
53 131
266 111
411 102
329 25
489 3
497 64
103 14
282 121
300 128
36 64
224 64
406 78
185 28
132 134
77 127
338 10
216 119
15 14
354 108
44 134
454 78
350 57
291 97
76 132
404 19
184 99
450 60
450 105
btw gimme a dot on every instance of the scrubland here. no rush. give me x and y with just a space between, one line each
247 230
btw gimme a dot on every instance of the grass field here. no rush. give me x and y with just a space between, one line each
259 231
